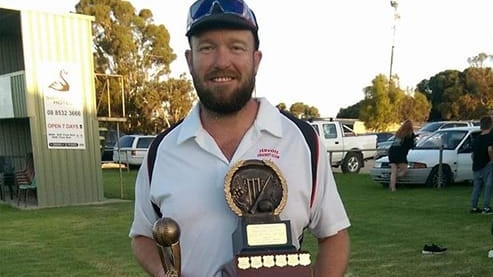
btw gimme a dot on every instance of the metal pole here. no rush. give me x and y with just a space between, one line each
440 167
394 5
122 194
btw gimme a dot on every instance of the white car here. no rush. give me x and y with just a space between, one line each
424 165
430 127
131 149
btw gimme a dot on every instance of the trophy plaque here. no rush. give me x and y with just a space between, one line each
256 191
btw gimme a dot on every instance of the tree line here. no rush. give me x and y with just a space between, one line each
448 95
132 57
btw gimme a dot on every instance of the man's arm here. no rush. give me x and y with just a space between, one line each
333 255
145 251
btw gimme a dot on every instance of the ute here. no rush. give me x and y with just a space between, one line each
345 148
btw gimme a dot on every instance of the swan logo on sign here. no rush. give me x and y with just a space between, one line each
63 103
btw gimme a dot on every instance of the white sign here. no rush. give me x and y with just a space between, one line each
62 91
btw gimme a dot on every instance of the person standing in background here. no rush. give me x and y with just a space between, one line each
404 140
482 155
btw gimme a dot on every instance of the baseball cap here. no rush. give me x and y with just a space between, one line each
211 14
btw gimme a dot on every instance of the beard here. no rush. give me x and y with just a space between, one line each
228 104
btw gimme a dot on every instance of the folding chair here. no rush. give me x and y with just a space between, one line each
26 187
25 180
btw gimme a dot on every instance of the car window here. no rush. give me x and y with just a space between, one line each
455 124
466 147
329 131
430 127
144 142
449 140
126 141
453 139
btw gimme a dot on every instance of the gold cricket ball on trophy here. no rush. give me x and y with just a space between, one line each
166 231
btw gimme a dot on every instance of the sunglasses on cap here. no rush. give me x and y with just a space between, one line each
203 8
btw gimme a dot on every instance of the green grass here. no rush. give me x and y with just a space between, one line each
387 234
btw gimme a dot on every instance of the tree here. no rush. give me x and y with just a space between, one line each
421 108
456 95
385 104
282 106
303 111
478 61
351 111
132 46
443 91
163 103
479 86
376 108
413 106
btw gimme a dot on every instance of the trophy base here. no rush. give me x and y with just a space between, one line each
292 264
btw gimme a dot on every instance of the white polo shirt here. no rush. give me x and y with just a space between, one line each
188 184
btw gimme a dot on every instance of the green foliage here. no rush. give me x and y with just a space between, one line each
385 104
377 110
350 111
456 95
448 95
303 111
132 58
421 108
281 106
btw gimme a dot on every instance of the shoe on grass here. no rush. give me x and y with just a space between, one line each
433 249
475 210
487 210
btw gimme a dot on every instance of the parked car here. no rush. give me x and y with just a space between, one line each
424 160
109 138
383 147
423 132
344 147
431 127
131 149
383 136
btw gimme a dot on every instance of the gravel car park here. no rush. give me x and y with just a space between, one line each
424 160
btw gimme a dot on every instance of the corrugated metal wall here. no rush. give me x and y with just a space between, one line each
65 176
18 86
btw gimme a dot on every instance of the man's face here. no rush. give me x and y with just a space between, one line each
223 65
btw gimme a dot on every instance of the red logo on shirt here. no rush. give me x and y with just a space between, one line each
265 153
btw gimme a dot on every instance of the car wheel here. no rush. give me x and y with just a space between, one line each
352 163
435 181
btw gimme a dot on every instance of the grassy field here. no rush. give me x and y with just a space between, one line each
387 234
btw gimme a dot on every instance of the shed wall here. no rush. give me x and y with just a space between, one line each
65 176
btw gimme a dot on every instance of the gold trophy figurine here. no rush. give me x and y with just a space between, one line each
166 233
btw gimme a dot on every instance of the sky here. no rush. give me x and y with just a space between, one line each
325 52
